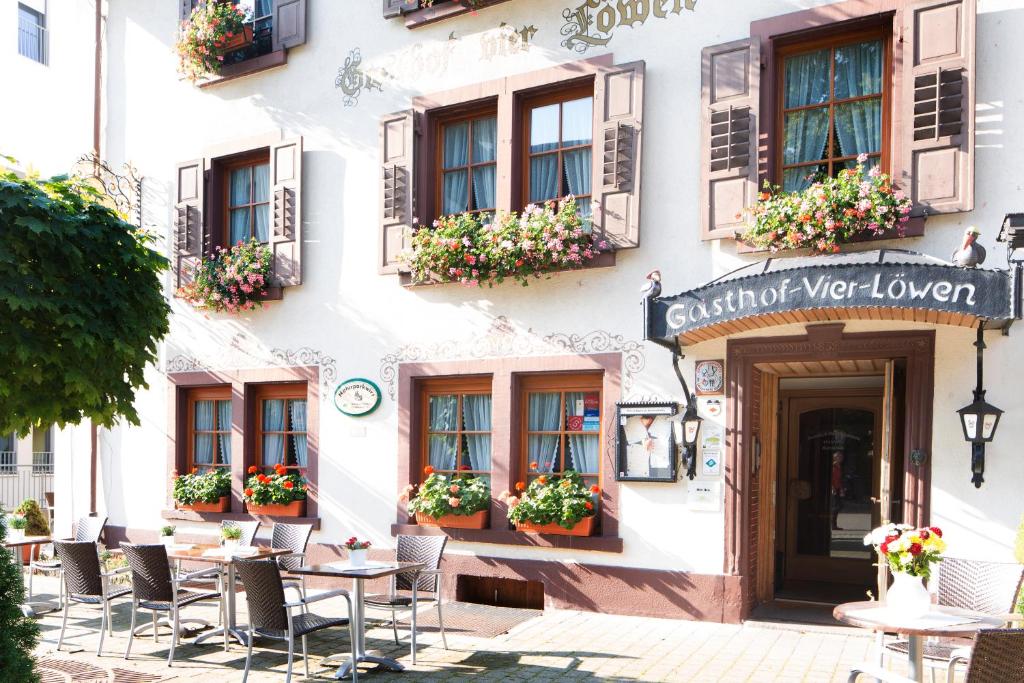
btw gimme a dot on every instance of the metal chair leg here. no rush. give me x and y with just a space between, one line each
103 627
156 629
131 630
413 623
64 624
440 623
248 657
291 657
305 655
394 624
174 635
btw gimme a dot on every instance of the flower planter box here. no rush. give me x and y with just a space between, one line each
296 508
222 505
477 520
584 527
239 39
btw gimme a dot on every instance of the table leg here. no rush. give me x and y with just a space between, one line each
31 608
231 627
915 655
359 627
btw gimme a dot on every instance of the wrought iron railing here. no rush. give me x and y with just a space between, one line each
21 482
42 462
8 462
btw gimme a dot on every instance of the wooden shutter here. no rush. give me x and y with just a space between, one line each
618 133
190 236
393 8
289 24
397 156
730 102
286 225
937 123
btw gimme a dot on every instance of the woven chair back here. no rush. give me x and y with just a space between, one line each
293 537
425 549
81 564
997 656
249 530
264 593
151 572
89 529
978 585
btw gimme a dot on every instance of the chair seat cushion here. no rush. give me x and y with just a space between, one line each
941 650
96 599
184 598
389 600
305 624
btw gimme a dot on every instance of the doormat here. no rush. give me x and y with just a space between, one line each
469 619
70 671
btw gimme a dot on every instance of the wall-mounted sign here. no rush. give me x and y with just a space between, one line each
646 442
712 407
357 397
710 377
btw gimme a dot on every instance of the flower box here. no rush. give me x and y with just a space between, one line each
239 39
296 508
222 505
477 520
584 527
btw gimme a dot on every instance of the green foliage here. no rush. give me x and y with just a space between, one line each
81 302
202 37
562 499
232 280
439 495
18 521
231 533
18 634
829 212
280 488
206 487
474 249
37 524
167 530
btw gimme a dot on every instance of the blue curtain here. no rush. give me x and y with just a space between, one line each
261 193
30 34
806 131
224 425
203 425
443 449
544 417
455 194
297 408
485 144
239 194
273 421
476 417
859 73
577 127
583 447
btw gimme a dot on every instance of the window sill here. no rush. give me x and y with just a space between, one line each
914 228
605 544
430 15
248 67
603 260
192 516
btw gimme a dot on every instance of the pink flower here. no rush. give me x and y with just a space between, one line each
454 488
861 158
454 502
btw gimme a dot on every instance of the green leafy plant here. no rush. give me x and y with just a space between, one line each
231 533
562 499
205 487
830 212
279 488
110 562
439 495
18 634
167 530
82 303
478 249
36 520
204 37
17 522
232 280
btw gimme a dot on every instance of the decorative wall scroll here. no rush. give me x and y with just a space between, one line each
503 339
303 356
593 22
353 81
123 189
647 448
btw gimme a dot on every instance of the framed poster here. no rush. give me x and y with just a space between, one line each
646 448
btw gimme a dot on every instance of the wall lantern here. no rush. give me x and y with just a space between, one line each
980 419
691 422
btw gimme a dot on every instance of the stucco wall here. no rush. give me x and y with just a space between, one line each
347 312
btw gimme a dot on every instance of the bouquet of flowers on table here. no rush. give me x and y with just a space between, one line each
907 550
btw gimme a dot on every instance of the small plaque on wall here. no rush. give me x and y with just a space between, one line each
357 397
709 377
646 448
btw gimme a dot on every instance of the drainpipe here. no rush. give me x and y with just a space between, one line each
97 114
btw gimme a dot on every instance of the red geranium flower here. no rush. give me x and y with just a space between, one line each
595 489
253 469
195 470
428 470
533 465
884 548
520 486
542 479
248 493
936 530
915 549
288 485
588 505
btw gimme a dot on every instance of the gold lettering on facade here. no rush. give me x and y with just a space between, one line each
593 22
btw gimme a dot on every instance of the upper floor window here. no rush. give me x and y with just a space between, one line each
281 420
31 34
42 450
468 164
834 106
559 135
562 425
8 453
209 428
248 201
457 417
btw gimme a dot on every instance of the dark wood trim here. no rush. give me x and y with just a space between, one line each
217 517
248 67
606 544
436 124
216 393
441 11
822 342
460 386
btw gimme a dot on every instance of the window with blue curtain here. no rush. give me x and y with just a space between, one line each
832 108
560 135
458 429
31 34
283 429
469 165
563 428
211 429
248 203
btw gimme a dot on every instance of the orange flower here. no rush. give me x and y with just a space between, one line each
588 505
428 470
542 479
565 483
764 196
533 465
520 486
253 469
248 493
288 485
454 502
195 470
595 489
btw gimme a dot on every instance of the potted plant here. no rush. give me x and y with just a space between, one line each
462 501
554 504
203 492
16 525
828 213
36 525
356 551
232 281
231 536
167 535
213 29
909 554
280 493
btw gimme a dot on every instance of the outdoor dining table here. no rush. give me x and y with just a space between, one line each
372 570
36 608
940 621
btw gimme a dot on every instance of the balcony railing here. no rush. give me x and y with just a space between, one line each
32 42
42 462
21 482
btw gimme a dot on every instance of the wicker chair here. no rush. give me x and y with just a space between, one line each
154 588
997 656
271 616
407 586
295 538
86 583
976 585
87 530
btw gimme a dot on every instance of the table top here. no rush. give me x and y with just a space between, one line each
195 553
28 540
346 571
873 615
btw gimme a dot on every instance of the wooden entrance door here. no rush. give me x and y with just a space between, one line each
829 481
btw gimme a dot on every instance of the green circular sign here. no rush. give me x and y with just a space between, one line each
357 397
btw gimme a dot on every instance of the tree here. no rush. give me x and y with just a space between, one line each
82 304
18 633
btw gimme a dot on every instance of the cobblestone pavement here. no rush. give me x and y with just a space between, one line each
559 645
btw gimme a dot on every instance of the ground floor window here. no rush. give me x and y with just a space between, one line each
281 437
457 425
561 425
209 427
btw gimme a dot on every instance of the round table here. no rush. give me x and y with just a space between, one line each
874 615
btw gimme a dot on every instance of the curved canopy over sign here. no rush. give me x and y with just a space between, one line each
887 284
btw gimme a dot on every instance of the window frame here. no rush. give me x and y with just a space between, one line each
42 37
249 159
832 38
287 391
444 120
193 395
460 386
